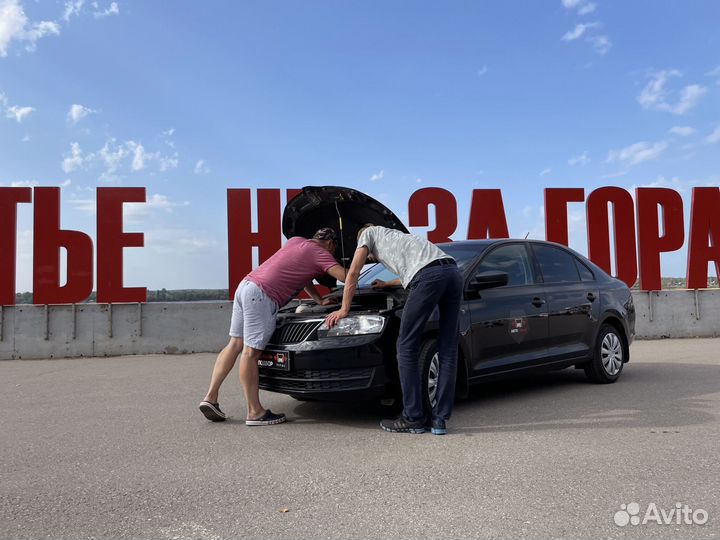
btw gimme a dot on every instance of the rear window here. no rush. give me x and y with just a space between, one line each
557 265
585 273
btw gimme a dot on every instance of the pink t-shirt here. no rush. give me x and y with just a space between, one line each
292 267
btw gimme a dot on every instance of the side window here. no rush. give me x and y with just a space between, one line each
556 264
512 259
585 273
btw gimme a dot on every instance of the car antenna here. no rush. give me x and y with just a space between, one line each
342 241
528 234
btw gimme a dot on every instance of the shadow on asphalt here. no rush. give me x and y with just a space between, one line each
663 397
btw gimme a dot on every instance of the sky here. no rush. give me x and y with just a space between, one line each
191 98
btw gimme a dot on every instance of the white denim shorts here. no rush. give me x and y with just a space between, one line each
253 317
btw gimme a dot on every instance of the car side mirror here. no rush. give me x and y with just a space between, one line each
488 280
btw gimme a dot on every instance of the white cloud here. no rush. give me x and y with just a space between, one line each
112 10
18 113
545 172
587 8
25 183
14 26
12 23
377 176
482 71
72 7
637 153
175 241
201 167
656 96
715 72
139 156
75 160
168 162
154 203
129 156
578 31
601 44
112 155
419 180
714 137
26 138
78 112
583 6
682 131
582 159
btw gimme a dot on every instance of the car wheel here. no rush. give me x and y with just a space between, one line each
609 358
303 398
431 366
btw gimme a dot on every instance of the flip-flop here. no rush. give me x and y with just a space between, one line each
212 411
267 419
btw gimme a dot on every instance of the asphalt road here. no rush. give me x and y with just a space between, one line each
116 448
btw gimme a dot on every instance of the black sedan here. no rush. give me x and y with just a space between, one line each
528 306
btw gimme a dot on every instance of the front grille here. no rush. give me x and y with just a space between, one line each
316 379
294 332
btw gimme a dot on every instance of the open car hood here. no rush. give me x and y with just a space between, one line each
343 209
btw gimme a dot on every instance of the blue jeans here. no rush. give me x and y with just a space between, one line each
439 286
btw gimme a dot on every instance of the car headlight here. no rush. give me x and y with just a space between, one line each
354 326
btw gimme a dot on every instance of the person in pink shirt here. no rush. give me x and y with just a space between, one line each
257 300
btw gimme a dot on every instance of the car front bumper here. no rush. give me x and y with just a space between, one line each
339 369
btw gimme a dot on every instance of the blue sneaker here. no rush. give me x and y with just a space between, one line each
437 427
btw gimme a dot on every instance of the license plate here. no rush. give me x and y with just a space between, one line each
275 360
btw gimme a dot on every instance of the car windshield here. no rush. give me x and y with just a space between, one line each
463 254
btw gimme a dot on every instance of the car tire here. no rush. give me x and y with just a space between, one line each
430 365
303 398
609 356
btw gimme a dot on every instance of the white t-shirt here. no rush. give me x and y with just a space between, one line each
401 253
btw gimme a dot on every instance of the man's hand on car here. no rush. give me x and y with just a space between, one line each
333 318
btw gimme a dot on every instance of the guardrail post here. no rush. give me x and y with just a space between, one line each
74 322
140 310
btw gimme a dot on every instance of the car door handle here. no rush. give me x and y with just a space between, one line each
538 302
591 297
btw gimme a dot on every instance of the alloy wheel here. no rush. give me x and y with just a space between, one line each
433 380
611 350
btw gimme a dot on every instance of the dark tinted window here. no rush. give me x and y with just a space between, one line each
512 259
556 264
585 273
463 253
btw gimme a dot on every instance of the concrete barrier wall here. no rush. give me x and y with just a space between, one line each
677 313
30 331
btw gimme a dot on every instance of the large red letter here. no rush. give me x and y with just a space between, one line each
556 223
487 215
110 243
623 234
9 199
445 212
651 244
704 236
241 239
49 238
